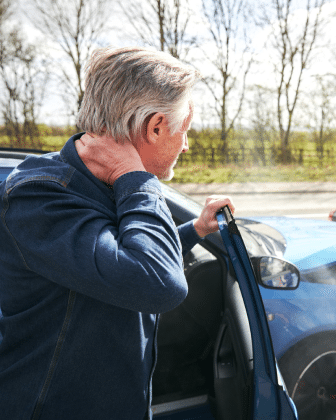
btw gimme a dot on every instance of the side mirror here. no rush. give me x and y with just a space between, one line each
275 273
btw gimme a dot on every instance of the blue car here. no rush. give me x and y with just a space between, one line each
302 322
215 356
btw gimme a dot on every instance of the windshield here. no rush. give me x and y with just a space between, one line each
261 239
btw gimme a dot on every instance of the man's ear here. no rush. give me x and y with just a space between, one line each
155 127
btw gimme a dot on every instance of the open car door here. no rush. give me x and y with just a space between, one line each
215 354
264 395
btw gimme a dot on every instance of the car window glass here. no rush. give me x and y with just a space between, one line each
261 239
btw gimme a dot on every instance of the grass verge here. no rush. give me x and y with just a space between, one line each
230 173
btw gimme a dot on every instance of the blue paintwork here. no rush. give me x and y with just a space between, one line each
307 310
311 308
6 166
310 243
4 173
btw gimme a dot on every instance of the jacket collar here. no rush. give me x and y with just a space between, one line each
69 155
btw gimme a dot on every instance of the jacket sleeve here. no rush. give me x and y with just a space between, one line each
188 236
130 257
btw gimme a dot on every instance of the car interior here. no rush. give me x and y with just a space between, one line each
187 334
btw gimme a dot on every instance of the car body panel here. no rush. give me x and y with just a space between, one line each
7 167
294 315
311 308
310 243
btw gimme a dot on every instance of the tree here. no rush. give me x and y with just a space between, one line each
5 11
293 42
230 55
261 118
77 27
161 24
23 77
319 109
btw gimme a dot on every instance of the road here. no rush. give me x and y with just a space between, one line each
307 200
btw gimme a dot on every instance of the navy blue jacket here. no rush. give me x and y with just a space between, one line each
84 271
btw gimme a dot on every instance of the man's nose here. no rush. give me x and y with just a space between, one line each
185 144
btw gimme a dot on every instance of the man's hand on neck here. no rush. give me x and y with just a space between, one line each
106 159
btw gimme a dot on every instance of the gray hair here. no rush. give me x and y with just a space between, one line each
124 86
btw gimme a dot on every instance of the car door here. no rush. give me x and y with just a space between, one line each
215 353
267 398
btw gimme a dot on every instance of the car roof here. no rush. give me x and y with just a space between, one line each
9 159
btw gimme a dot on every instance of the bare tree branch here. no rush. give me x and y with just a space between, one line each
228 23
161 24
6 9
77 27
24 76
294 44
318 108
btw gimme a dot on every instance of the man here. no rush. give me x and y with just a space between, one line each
89 253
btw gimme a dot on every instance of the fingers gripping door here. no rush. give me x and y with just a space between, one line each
233 359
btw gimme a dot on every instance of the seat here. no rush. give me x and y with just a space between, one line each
186 335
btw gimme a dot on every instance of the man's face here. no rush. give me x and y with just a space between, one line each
161 157
172 147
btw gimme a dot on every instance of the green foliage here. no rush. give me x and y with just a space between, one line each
204 162
51 138
253 159
55 131
247 146
252 173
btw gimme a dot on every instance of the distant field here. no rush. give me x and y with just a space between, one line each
52 143
199 168
239 173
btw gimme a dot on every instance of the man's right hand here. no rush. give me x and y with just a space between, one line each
106 159
207 221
